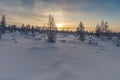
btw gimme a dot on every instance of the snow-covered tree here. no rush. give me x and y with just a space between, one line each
118 40
81 32
22 29
92 40
0 32
106 27
52 29
33 31
102 29
3 24
98 30
102 26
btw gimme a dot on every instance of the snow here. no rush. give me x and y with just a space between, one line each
67 59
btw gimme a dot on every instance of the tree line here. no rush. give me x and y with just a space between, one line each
102 30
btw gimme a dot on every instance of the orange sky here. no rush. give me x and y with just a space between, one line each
65 12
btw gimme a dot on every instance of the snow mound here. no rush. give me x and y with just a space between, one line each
43 48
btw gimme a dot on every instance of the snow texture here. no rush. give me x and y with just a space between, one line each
25 58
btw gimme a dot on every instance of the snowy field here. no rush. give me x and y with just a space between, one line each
25 58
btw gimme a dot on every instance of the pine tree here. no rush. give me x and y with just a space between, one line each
102 29
3 24
27 28
52 29
32 30
98 30
81 32
0 32
102 26
22 29
106 27
118 40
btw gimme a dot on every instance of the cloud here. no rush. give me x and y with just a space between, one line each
28 2
64 11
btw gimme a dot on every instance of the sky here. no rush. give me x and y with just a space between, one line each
65 12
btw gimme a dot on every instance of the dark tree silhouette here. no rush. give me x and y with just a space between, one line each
0 32
103 30
33 31
98 31
3 24
81 32
52 29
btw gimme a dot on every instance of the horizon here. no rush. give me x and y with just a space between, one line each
65 12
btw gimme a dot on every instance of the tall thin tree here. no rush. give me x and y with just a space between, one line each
52 29
81 32
3 24
0 32
98 30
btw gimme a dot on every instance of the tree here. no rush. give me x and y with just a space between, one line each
0 32
98 30
102 29
27 28
22 29
52 29
33 31
106 27
102 26
43 32
118 40
81 32
107 31
3 24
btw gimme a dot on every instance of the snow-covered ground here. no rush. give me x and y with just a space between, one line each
24 58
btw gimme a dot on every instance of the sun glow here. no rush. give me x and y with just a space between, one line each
59 25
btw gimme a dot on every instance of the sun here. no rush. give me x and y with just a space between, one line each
59 25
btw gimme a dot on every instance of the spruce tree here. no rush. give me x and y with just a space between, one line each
0 32
52 29
81 32
3 24
33 31
98 31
